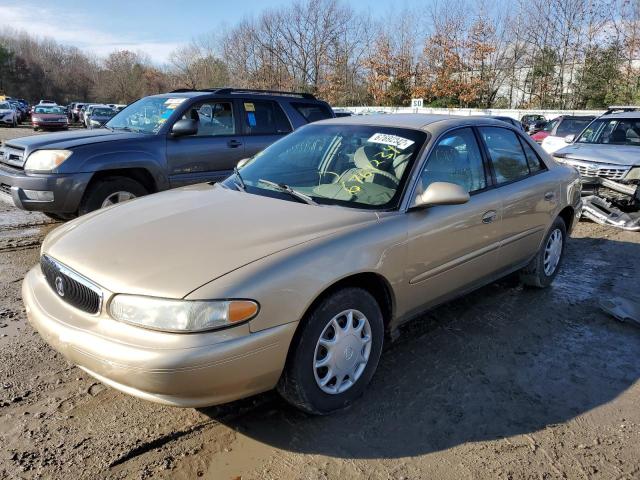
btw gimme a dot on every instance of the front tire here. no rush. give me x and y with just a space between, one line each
545 265
110 191
335 354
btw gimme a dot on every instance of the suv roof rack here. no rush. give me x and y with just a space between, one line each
621 108
251 91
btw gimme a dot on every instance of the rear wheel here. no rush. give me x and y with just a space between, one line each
335 354
110 191
544 267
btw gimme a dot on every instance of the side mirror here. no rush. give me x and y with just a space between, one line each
184 127
243 162
441 193
569 138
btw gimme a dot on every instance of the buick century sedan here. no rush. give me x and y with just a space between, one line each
292 272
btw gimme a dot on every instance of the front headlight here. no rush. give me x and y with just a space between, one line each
634 174
95 122
180 315
46 160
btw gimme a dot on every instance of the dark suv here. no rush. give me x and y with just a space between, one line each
159 142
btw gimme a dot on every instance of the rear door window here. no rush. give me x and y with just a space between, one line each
262 117
312 112
507 156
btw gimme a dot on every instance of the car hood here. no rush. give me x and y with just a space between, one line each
70 139
4 111
613 154
171 243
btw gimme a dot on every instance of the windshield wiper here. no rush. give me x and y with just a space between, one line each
240 183
287 189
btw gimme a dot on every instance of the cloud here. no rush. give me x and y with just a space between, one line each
75 29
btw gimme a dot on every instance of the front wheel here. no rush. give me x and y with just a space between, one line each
110 191
545 265
335 354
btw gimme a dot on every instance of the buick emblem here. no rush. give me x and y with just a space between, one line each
60 286
348 353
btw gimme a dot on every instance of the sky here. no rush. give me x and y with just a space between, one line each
155 27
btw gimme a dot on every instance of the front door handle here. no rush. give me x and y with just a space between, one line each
489 216
234 143
549 196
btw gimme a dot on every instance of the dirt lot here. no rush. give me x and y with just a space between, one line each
505 383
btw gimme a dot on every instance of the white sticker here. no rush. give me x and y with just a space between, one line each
172 103
393 140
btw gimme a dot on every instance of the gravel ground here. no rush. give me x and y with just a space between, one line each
504 383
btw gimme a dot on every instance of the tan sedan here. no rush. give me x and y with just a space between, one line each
291 272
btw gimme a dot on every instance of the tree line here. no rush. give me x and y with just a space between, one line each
568 54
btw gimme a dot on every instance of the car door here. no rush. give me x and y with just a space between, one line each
211 153
529 193
263 122
453 247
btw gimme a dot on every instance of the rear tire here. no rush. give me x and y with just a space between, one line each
61 217
100 191
545 265
351 356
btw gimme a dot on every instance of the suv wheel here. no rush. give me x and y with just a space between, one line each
110 191
544 267
336 353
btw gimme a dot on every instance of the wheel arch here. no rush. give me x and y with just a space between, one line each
567 214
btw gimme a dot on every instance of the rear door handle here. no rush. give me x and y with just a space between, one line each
549 196
234 143
489 216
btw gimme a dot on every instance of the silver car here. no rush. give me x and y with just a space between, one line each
609 147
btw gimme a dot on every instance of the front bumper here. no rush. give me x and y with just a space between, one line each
184 370
50 125
67 190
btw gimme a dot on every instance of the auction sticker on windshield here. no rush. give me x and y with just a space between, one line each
393 140
172 103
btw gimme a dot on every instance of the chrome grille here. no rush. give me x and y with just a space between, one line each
71 287
588 169
12 156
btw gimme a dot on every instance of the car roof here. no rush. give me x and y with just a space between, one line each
254 94
633 115
416 121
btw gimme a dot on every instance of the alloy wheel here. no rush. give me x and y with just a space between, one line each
117 197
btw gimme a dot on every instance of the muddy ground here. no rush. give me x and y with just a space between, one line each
506 383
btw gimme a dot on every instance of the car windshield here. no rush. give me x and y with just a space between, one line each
50 110
351 165
614 131
147 115
549 125
5 106
102 112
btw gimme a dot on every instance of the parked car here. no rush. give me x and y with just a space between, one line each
562 126
49 117
533 120
290 272
564 132
8 114
609 148
20 110
47 102
98 116
339 113
159 142
75 113
509 120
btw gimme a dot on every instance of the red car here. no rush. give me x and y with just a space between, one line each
49 117
562 126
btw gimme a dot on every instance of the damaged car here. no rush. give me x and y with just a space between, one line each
607 156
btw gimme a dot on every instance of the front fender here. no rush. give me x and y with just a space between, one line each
285 284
